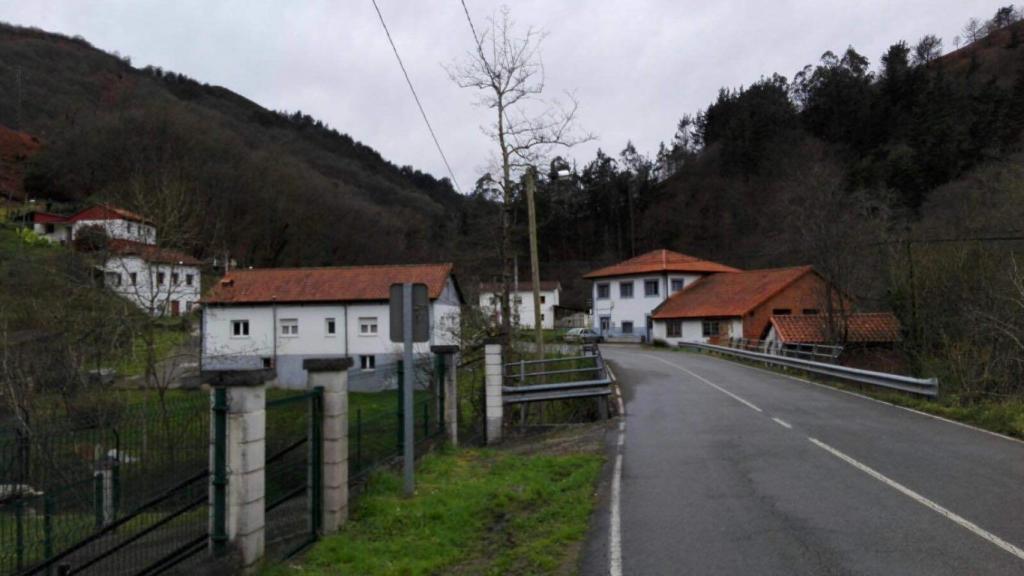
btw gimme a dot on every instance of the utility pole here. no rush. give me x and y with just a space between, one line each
534 259
18 98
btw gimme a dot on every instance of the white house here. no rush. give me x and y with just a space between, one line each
521 303
118 223
625 294
278 317
160 281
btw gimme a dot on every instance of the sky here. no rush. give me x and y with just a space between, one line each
635 66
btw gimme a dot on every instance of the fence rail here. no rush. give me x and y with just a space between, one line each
579 376
921 386
817 352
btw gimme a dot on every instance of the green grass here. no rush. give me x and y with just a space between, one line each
167 338
475 512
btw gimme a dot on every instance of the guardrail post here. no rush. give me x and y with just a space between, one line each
331 375
238 458
492 392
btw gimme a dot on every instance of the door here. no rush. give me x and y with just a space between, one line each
175 308
606 324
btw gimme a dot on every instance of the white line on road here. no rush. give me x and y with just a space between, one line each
706 381
615 527
782 423
963 522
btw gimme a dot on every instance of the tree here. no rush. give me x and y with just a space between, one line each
928 48
972 31
506 68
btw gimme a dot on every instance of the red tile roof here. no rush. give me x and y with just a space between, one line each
338 284
659 261
728 295
860 328
545 286
49 218
150 253
97 212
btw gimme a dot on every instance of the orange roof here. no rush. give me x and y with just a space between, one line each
150 253
338 284
860 327
728 295
659 261
103 212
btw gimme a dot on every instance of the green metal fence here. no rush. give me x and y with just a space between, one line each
117 496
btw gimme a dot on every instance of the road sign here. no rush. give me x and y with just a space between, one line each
420 313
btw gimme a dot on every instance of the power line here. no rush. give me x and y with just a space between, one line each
416 97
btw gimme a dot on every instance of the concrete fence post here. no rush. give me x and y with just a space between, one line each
331 374
492 391
450 409
238 483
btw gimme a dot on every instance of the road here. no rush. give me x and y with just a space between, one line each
729 469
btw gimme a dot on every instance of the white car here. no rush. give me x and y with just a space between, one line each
583 336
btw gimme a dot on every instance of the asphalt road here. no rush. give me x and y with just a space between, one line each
727 469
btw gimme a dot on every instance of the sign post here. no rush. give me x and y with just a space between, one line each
409 322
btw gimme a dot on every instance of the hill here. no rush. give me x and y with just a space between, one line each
272 188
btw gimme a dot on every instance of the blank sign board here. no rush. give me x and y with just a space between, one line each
420 313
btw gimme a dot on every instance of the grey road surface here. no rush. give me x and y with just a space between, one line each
727 469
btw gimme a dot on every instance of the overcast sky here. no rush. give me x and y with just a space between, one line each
636 66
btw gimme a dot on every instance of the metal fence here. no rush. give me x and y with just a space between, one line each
922 386
575 379
120 495
816 352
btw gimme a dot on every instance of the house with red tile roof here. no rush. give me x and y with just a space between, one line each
859 328
118 223
522 302
741 304
625 294
278 317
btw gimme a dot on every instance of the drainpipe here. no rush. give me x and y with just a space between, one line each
273 328
344 308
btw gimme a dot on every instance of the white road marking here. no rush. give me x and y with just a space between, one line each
960 520
706 381
866 397
782 423
615 524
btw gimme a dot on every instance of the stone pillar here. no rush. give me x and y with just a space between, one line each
450 410
492 391
331 374
244 503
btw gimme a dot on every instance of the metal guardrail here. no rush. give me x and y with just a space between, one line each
923 386
816 352
599 384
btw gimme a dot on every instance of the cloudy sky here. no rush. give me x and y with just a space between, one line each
636 66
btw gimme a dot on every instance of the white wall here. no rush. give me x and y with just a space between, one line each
522 307
222 350
120 229
637 308
147 293
60 234
693 330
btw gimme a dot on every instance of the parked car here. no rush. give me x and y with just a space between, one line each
583 336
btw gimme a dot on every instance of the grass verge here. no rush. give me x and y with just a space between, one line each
1001 416
475 512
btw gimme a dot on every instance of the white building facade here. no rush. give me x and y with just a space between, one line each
118 224
625 295
521 303
296 314
161 286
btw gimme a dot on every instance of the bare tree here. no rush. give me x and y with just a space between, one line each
505 67
972 30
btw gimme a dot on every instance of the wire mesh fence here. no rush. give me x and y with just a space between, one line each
130 484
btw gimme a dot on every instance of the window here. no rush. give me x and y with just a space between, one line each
810 311
603 291
710 328
332 327
368 362
674 329
240 328
651 287
677 284
268 362
175 278
289 327
781 312
543 299
50 228
130 228
368 326
626 289
160 276
541 316
134 278
188 279
627 327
